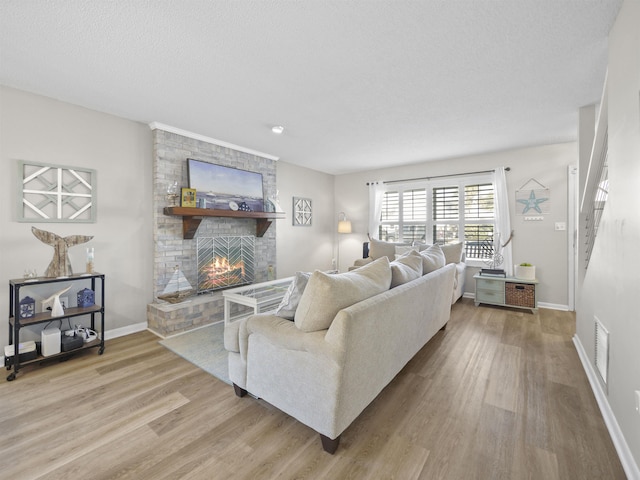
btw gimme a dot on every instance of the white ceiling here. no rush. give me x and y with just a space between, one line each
358 84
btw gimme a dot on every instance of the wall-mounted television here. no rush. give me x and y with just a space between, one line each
225 188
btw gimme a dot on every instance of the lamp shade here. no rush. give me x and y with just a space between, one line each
344 226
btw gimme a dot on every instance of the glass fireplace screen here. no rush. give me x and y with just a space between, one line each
225 262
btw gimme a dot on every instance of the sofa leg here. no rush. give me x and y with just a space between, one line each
329 446
444 327
240 392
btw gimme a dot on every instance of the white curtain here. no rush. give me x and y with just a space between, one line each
376 194
503 223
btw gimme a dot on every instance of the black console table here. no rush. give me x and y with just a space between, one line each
16 323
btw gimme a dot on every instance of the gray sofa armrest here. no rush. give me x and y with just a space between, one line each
284 333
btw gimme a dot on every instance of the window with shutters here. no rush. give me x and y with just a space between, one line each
445 211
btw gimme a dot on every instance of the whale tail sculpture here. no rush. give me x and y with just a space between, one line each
54 302
60 266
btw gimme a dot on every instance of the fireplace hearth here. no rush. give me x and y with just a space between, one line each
224 262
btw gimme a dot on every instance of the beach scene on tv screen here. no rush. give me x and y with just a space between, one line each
225 188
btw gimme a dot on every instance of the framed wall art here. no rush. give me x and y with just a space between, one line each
302 213
225 188
56 193
533 199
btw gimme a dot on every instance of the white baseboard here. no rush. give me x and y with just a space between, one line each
626 458
122 331
551 306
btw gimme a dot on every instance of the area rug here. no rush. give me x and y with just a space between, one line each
204 347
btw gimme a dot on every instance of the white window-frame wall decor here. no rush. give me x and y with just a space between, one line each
302 212
56 193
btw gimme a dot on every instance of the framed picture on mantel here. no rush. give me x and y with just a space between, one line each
188 197
302 213
225 188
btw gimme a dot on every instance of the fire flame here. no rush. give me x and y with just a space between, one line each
221 273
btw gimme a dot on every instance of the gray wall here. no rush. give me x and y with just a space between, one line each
611 286
40 129
537 242
305 248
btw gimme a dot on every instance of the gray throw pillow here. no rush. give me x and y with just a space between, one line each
291 299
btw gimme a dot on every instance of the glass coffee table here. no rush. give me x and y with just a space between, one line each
251 299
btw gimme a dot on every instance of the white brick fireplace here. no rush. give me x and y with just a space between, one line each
170 151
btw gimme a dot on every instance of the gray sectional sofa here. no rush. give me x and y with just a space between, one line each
351 335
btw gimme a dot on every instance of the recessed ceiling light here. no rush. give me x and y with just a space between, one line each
277 129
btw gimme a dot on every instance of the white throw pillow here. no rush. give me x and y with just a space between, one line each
289 304
432 259
421 246
403 250
380 248
453 252
325 295
406 268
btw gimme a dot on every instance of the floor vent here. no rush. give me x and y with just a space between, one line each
602 350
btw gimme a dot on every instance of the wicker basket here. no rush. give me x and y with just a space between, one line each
520 294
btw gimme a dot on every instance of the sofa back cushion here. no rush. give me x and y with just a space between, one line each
379 248
406 268
432 258
453 252
404 249
325 295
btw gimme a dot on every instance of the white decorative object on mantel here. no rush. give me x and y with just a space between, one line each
275 201
56 193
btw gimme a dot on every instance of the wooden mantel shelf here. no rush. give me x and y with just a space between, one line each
191 218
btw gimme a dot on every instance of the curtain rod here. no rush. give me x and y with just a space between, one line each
507 169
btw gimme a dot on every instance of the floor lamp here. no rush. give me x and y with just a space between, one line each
344 226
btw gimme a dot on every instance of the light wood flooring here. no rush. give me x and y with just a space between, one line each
500 394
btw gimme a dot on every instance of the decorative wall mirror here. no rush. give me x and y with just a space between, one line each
56 193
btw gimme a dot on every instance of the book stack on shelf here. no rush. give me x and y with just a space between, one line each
493 272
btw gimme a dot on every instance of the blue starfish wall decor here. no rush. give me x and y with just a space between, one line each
532 203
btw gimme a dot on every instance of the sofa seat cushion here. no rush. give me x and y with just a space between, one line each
432 258
405 268
325 295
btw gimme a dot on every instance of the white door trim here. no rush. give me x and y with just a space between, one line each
572 234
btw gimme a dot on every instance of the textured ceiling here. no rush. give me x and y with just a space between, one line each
358 85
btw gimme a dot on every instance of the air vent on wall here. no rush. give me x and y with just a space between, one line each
602 350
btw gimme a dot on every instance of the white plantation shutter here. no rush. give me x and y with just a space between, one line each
457 210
